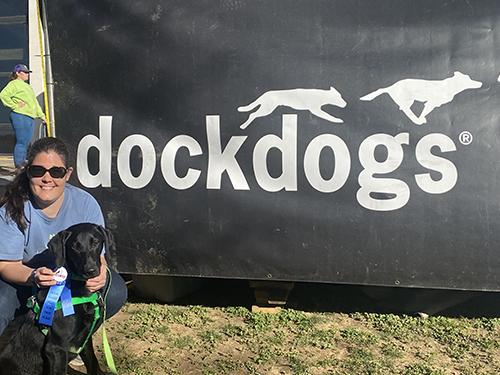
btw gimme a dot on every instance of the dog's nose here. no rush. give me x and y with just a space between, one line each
91 271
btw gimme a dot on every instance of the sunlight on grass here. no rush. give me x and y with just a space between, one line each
162 339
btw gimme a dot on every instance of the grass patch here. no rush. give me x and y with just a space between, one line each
162 339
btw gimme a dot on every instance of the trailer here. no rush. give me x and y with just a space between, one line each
335 141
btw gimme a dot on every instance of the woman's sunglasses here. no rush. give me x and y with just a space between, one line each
39 171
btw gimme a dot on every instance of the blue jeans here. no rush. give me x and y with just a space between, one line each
13 298
23 129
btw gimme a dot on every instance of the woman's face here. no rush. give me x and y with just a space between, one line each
24 76
48 190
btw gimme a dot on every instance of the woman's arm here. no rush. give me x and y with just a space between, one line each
39 112
6 96
16 272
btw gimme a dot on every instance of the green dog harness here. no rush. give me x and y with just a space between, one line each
94 299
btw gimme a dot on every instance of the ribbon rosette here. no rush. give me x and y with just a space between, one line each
60 290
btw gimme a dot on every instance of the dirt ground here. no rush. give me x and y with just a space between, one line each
324 329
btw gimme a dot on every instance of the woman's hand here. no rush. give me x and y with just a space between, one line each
21 104
43 277
96 283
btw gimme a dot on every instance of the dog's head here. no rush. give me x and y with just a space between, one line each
79 247
337 98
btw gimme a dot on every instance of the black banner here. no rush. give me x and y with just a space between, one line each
349 141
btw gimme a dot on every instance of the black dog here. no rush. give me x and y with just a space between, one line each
32 352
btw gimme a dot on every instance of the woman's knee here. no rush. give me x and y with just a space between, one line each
9 303
117 294
25 135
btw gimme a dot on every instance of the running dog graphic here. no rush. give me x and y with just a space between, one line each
432 93
301 99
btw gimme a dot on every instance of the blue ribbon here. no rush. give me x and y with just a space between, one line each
49 306
60 290
66 303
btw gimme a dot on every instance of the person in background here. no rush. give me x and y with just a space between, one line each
20 98
36 205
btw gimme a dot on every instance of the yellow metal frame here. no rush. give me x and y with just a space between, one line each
44 77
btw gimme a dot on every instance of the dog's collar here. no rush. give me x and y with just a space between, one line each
93 298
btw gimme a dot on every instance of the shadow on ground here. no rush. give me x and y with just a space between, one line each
316 297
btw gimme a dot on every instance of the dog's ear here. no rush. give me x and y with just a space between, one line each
108 239
56 248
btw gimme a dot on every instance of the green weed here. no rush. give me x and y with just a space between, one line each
357 337
319 338
421 369
211 336
183 342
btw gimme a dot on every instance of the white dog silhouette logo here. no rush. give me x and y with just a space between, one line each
301 99
432 93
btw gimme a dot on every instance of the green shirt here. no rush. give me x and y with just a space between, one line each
18 91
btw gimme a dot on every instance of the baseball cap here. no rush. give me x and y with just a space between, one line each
21 68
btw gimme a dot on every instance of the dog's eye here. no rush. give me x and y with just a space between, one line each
95 242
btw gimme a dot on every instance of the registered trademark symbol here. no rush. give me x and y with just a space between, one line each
465 137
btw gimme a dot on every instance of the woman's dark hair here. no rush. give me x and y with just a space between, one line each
13 76
18 191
